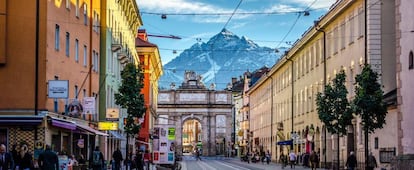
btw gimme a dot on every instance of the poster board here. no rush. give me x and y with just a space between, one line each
163 144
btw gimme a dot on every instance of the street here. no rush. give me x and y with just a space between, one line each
219 163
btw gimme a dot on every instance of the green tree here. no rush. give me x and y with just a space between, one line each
368 102
130 98
333 107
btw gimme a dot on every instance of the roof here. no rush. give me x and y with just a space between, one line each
141 43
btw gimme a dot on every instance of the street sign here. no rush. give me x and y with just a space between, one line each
58 89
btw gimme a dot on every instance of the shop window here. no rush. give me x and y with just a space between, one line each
410 61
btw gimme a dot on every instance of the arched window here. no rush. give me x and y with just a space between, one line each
410 61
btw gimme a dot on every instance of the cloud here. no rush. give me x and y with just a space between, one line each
189 7
315 4
281 8
178 6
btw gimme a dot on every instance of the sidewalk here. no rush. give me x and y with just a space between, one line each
270 166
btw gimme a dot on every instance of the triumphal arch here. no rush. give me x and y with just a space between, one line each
202 116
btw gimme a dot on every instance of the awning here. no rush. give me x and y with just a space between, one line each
20 120
91 130
285 142
116 135
65 124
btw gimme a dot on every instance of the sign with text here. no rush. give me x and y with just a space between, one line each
108 125
58 89
112 114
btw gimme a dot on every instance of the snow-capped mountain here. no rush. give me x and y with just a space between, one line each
224 56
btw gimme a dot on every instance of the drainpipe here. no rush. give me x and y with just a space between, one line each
317 28
292 95
271 114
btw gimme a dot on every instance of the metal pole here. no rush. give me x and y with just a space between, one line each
324 80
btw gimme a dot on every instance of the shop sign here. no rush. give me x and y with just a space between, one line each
108 125
58 89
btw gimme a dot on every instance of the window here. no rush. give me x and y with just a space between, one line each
343 37
57 32
77 9
85 55
93 60
335 39
76 91
85 14
77 50
410 61
351 29
361 22
67 44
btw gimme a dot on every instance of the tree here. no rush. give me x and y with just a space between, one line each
333 107
368 103
130 98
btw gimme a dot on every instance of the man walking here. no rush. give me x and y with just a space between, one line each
96 160
48 160
117 156
351 162
6 159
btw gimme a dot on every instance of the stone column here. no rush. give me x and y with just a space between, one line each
206 135
178 134
213 136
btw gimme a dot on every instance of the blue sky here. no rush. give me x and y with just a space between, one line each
270 23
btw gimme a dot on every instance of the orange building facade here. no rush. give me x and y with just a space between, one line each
41 43
151 64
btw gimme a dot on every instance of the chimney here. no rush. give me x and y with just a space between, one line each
142 33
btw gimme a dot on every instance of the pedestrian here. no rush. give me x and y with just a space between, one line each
372 162
72 162
314 160
96 160
15 155
82 162
6 159
292 159
351 162
48 160
117 157
268 157
139 160
24 158
283 159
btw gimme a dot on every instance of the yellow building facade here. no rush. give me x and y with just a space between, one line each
282 103
120 21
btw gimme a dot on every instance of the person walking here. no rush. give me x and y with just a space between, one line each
48 160
314 160
292 159
372 162
96 160
117 157
268 157
351 162
6 159
24 159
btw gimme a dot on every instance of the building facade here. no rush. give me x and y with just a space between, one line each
150 61
405 68
119 22
49 80
283 101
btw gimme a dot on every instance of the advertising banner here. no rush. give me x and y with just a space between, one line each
163 144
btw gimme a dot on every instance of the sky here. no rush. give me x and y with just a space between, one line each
270 23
